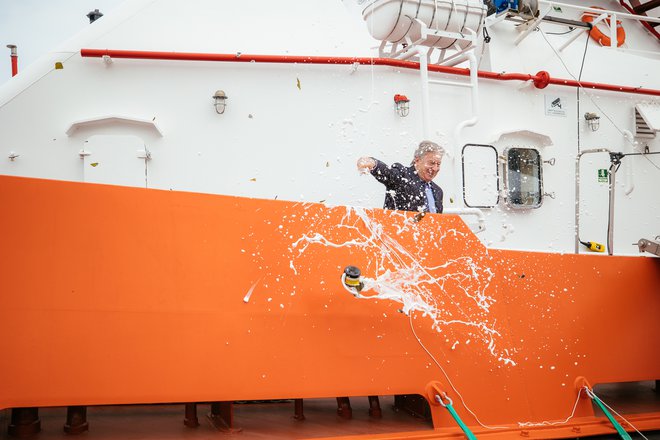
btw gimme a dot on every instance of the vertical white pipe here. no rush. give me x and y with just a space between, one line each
629 147
610 215
576 229
423 51
458 170
577 192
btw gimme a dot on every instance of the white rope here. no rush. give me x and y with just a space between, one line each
546 423
522 424
449 380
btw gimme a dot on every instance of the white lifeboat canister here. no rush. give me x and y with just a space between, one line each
394 20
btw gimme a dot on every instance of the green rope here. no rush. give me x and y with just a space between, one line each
622 432
463 426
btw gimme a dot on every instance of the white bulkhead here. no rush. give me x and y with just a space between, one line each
293 131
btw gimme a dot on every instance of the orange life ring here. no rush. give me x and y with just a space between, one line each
600 36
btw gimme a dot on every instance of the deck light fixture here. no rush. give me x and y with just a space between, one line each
593 121
402 105
220 101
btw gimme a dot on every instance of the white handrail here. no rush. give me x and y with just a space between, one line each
601 11
481 219
474 81
629 147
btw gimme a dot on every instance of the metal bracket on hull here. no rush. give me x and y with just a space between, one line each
222 417
650 246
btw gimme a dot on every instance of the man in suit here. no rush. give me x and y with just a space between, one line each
410 188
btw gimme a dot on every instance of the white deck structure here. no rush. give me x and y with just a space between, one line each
293 131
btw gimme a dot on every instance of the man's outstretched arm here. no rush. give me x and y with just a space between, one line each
383 173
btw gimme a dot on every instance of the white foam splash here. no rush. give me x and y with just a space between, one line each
246 298
446 294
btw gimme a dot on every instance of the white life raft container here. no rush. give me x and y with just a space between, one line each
394 20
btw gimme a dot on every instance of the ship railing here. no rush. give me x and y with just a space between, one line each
473 212
599 15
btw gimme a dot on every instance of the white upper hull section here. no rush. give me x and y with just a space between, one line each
294 131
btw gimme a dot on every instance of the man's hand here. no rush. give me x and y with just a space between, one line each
365 164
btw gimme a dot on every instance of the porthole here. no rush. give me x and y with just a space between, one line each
523 178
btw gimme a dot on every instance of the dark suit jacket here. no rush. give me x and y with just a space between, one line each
405 190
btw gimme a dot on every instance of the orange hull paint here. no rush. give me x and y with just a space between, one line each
114 295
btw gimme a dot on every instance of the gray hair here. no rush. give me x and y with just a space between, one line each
427 147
